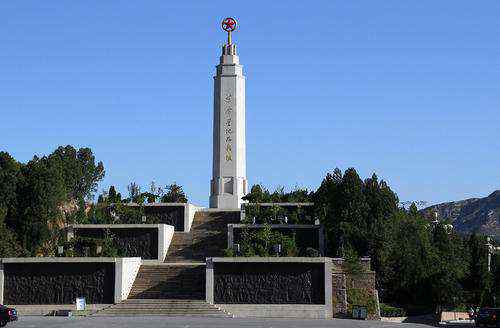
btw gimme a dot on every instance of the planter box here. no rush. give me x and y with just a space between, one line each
306 235
148 241
179 215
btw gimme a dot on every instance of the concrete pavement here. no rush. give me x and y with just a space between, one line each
197 322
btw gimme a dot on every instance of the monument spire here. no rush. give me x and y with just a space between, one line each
229 25
229 183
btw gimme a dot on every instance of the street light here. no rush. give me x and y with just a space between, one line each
236 248
490 249
277 249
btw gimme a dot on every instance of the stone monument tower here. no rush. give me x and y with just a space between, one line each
229 182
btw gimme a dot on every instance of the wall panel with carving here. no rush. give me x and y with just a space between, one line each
269 283
58 283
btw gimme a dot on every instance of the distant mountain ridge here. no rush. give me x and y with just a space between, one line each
469 215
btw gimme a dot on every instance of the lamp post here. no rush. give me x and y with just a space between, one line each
277 249
236 249
98 250
490 249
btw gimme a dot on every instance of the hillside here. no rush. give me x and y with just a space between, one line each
469 215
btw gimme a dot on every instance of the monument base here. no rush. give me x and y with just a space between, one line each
227 193
223 202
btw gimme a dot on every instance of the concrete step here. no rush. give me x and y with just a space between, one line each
165 314
164 302
167 281
164 310
207 238
168 307
178 306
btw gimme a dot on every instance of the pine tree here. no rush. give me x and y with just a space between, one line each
174 194
450 266
113 196
479 280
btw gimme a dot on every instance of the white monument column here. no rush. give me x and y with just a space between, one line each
229 183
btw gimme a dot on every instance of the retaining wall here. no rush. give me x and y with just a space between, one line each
148 241
306 235
61 280
342 281
295 287
179 215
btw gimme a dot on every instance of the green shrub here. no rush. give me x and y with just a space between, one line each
109 248
361 297
229 252
251 211
391 311
261 242
289 248
128 215
77 245
272 214
312 252
261 250
352 264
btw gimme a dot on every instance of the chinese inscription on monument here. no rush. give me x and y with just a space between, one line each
228 129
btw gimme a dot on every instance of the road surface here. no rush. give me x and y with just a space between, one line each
197 322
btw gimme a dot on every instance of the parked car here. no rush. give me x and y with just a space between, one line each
7 314
487 317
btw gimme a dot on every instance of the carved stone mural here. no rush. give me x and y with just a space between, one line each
58 283
171 215
268 283
129 242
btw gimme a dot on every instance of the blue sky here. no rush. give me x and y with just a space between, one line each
407 89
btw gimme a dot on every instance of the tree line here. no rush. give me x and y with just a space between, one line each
419 264
35 196
173 193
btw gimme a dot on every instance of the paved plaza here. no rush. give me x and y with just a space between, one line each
197 322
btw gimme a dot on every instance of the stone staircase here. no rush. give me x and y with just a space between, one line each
170 281
177 287
207 238
150 307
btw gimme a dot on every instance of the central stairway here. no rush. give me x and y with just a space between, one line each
207 238
177 287
170 281
172 308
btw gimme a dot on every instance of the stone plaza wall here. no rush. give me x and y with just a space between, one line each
179 215
271 287
61 280
345 283
57 283
148 241
306 235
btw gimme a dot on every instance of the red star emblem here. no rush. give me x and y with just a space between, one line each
229 24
